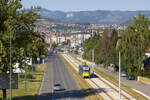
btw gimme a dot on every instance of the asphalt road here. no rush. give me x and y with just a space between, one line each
56 72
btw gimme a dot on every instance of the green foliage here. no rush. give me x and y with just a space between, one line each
105 46
112 55
54 45
134 42
89 45
20 25
64 43
77 47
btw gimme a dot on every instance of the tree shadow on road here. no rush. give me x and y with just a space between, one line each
72 94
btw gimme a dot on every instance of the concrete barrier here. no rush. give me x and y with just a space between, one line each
144 79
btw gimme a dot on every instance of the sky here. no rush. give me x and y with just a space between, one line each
84 5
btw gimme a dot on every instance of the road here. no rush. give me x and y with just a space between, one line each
56 72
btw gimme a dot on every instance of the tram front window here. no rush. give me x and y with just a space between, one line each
86 71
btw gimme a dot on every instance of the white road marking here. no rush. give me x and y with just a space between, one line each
141 93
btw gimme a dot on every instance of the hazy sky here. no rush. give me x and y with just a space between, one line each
80 5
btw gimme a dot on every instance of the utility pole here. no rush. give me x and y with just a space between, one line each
32 66
119 75
38 59
10 66
25 74
93 60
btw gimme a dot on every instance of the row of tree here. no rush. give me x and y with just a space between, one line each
17 28
132 43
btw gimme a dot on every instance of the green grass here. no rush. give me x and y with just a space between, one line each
33 86
84 86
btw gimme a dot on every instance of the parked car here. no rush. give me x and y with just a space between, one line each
124 74
130 77
57 87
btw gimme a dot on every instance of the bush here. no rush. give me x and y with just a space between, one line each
31 67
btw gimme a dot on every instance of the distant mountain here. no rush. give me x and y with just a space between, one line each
94 17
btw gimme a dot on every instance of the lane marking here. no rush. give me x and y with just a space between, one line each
141 93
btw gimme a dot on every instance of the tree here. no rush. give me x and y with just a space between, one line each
134 42
21 25
54 45
89 45
112 57
97 52
105 45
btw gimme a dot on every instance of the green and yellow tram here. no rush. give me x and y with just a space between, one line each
84 71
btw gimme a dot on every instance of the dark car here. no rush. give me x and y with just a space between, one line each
76 52
130 77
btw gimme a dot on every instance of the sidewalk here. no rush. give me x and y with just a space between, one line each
142 88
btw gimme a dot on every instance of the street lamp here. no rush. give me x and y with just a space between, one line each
25 74
10 67
119 75
38 59
93 60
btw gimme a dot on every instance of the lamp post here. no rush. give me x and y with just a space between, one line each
119 75
10 67
93 60
32 66
25 74
38 59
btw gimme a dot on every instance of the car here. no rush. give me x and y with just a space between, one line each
130 77
124 74
57 87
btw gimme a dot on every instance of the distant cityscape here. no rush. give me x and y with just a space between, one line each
76 33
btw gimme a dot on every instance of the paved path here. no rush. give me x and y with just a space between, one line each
56 72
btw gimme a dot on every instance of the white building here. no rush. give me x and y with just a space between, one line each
78 38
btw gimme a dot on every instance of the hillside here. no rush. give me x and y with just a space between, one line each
95 17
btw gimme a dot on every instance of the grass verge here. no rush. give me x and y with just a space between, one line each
84 86
33 86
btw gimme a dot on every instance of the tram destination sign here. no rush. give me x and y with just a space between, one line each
5 81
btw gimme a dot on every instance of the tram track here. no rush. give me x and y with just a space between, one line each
111 92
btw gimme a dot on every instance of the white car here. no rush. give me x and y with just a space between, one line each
124 74
57 87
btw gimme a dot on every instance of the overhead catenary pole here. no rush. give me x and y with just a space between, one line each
119 75
10 66
93 60
25 74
